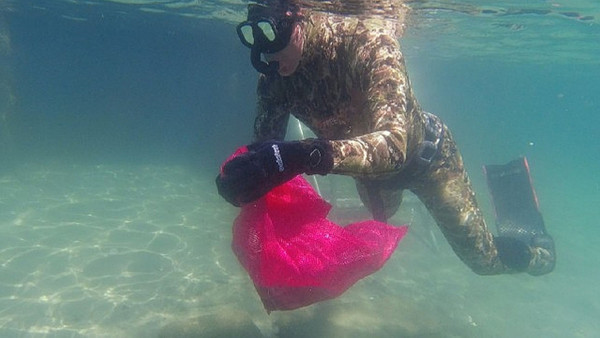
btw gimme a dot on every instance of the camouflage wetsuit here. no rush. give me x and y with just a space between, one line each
352 89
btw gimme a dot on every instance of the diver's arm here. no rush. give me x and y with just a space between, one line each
378 64
271 115
270 161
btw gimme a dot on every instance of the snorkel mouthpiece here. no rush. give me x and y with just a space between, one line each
260 65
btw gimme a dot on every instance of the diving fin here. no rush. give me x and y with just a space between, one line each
518 219
515 202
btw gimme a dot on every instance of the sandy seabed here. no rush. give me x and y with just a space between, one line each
144 251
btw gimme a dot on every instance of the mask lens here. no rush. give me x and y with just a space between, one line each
246 34
267 29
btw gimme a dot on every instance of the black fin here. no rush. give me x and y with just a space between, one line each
514 199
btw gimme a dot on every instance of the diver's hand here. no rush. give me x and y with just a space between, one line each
250 175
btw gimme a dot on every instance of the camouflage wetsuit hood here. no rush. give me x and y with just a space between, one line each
352 89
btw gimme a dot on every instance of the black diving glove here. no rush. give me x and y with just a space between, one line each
251 175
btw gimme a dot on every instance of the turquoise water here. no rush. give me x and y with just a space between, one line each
114 120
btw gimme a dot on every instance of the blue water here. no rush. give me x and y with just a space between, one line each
112 130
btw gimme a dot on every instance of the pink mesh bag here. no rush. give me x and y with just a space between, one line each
296 256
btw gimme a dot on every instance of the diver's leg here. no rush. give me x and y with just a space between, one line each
446 191
381 200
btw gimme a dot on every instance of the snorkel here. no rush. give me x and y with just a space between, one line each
260 65
267 31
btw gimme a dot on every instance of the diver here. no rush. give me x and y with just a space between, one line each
345 78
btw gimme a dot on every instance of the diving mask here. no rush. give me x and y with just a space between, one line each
263 33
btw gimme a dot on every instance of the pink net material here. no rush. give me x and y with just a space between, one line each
296 256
